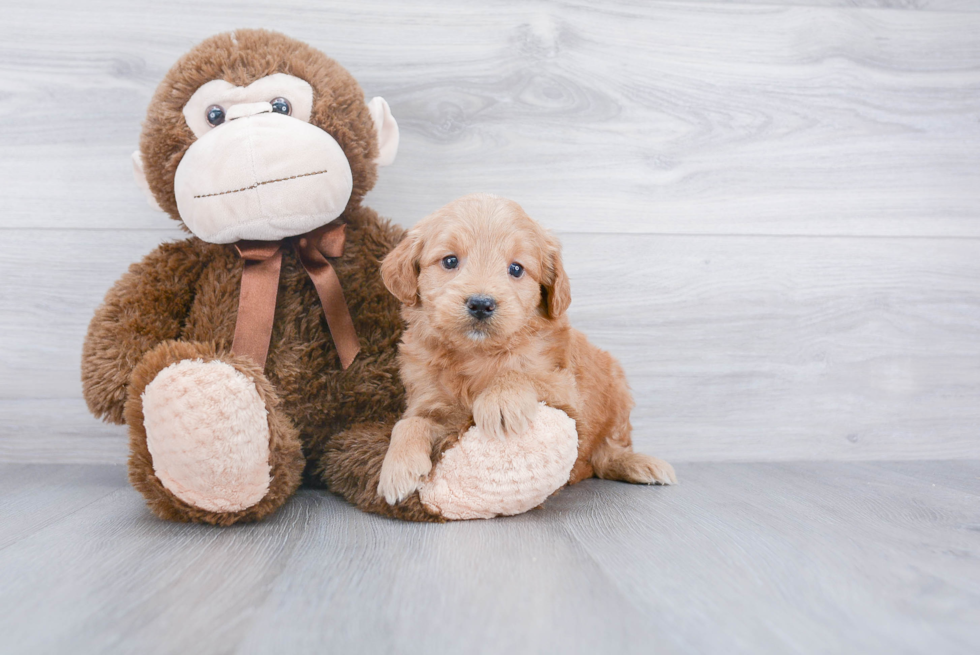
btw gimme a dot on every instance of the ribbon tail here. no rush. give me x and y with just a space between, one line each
334 309
256 313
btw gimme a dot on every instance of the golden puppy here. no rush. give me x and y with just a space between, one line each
484 295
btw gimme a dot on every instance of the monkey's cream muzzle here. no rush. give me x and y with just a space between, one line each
262 176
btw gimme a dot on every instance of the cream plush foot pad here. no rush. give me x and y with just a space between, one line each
482 476
208 433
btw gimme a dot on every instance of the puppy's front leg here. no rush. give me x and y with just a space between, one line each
506 406
408 460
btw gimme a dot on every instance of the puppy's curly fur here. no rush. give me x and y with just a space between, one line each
484 296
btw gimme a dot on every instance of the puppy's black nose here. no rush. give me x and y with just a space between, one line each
480 307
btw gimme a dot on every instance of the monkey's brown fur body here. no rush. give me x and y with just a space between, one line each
327 426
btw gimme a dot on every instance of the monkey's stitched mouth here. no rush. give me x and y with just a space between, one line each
258 184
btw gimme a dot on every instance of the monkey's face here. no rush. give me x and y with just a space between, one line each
258 169
268 158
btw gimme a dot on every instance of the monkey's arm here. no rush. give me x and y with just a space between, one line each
148 305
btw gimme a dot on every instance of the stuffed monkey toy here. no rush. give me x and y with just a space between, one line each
261 351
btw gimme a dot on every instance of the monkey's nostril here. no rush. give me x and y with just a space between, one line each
481 306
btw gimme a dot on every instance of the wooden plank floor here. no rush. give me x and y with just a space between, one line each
738 558
771 215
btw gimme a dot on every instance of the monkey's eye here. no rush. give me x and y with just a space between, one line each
216 115
449 262
282 106
516 270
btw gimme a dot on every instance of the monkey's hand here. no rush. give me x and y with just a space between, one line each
146 307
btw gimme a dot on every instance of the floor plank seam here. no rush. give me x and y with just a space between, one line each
61 518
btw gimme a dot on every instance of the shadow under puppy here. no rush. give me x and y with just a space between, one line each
484 296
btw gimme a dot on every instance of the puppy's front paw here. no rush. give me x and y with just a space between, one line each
402 472
501 412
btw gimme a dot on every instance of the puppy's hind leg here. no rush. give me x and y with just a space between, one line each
636 468
611 460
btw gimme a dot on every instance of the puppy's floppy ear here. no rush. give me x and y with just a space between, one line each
555 288
400 269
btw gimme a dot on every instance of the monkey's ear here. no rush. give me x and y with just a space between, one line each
387 129
141 182
555 286
400 270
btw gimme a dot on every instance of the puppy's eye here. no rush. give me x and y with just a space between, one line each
215 115
282 106
516 270
449 262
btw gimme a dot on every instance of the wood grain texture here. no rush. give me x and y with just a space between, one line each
627 117
742 348
908 5
739 558
771 210
58 431
32 498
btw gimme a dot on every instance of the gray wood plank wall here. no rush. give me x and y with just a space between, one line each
771 210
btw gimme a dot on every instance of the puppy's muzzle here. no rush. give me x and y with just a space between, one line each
480 307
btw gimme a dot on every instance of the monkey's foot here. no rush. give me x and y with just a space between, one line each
206 438
482 476
208 433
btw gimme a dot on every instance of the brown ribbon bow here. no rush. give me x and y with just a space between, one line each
260 284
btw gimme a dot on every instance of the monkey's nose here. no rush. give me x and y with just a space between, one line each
480 307
247 109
